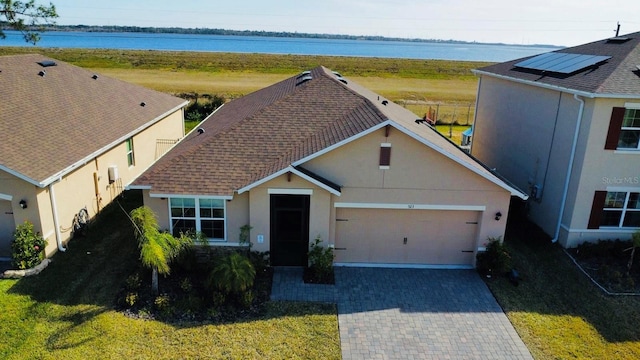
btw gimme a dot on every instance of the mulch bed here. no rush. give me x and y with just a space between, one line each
606 262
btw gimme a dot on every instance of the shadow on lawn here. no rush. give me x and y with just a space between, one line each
551 284
94 269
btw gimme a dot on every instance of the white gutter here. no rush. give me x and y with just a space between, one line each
569 167
56 222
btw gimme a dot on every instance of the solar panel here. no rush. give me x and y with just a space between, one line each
563 63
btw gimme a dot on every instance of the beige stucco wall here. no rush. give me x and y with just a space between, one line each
598 169
76 190
417 175
526 133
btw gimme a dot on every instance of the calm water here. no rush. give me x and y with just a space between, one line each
274 45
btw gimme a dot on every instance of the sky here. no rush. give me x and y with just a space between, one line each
558 22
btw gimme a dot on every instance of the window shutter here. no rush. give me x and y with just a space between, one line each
385 156
617 115
596 209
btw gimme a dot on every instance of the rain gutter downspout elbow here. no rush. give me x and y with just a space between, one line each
569 167
56 221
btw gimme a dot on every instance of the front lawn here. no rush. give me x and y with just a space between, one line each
556 310
69 312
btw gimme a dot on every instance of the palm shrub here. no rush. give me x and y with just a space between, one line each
495 259
157 249
27 248
320 261
234 275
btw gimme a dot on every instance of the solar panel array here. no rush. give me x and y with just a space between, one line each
563 63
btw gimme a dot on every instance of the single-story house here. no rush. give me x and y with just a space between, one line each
71 139
317 155
565 126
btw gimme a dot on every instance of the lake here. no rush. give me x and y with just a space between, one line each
276 45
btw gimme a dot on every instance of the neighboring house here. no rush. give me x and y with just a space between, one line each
71 139
316 155
566 126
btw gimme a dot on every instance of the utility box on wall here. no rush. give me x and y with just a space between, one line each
113 174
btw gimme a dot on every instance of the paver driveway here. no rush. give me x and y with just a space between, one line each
410 313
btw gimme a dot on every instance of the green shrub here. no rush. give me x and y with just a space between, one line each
246 299
495 259
233 273
131 299
133 282
162 303
320 260
27 248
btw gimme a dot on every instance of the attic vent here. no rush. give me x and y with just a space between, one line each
303 74
143 104
618 40
42 73
47 63
337 74
343 80
304 79
385 102
94 77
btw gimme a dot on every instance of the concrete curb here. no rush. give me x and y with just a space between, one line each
18 274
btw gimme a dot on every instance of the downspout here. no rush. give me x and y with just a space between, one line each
569 167
56 222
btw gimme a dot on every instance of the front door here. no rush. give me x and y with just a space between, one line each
7 227
289 230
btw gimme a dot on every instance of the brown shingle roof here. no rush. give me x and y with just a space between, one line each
50 123
616 76
267 131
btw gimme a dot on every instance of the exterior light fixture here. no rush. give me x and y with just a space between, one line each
498 216
23 204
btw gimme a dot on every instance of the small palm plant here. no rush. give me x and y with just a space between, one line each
233 275
157 249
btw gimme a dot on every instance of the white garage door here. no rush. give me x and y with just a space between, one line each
392 236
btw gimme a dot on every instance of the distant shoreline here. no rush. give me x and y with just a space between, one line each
283 34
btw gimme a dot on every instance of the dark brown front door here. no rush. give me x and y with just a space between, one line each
289 230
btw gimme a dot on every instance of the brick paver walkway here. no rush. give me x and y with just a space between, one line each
410 313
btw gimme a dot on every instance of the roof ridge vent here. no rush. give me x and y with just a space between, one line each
303 74
618 40
47 63
304 79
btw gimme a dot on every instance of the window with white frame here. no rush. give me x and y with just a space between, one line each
630 130
130 157
200 215
621 209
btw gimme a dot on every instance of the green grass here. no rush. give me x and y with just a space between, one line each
67 312
557 312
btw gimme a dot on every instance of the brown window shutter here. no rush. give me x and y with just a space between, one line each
617 115
385 156
596 209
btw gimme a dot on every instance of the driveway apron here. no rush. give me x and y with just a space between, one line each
388 313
